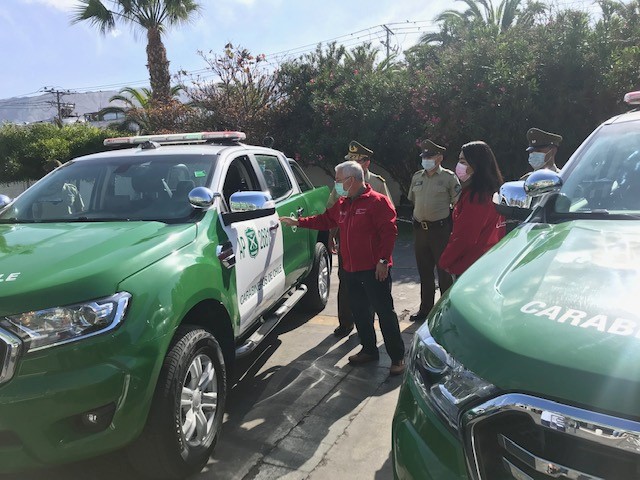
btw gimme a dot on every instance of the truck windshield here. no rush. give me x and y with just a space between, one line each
605 179
113 189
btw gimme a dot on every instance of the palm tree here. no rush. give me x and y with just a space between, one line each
135 103
507 14
151 16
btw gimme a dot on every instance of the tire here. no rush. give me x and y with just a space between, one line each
174 444
318 281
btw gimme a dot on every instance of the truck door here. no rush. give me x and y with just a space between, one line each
289 202
256 239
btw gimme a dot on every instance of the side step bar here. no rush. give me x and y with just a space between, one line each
270 321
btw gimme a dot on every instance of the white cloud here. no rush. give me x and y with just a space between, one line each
64 5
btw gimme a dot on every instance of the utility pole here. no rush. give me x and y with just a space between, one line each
60 106
387 44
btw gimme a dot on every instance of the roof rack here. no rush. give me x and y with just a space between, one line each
225 137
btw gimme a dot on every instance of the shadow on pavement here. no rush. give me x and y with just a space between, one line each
286 417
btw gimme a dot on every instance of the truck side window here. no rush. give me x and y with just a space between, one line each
276 176
303 181
240 177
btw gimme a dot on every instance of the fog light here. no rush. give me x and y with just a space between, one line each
97 419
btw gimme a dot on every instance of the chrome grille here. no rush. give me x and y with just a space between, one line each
9 350
528 438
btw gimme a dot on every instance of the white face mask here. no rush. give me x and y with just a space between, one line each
428 164
537 159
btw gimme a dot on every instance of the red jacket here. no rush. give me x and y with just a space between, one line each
367 225
477 227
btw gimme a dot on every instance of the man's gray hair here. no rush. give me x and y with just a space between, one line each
351 169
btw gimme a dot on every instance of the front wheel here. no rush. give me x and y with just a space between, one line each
186 414
318 281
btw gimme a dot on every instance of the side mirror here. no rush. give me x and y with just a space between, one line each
541 182
202 197
250 201
4 201
512 201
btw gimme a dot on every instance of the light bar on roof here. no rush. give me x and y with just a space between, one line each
632 98
177 138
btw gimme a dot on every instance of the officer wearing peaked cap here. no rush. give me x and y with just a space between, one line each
433 191
542 150
362 155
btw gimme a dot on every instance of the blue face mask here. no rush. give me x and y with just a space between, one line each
340 189
428 164
537 159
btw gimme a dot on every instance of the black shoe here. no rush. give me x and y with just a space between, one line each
362 357
342 331
418 317
397 367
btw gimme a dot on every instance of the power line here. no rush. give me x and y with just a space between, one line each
65 108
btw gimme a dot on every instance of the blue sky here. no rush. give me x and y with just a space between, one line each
42 49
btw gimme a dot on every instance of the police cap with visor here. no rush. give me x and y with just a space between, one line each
540 139
358 151
431 149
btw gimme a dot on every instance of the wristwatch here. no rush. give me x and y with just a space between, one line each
383 261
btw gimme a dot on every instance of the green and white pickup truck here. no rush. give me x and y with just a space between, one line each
131 280
529 367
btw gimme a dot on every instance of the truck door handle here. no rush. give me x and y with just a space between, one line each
225 254
275 227
300 211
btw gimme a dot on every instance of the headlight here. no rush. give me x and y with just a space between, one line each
54 326
444 382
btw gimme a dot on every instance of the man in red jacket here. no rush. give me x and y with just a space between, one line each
366 220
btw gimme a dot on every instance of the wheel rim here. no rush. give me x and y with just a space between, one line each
323 278
199 402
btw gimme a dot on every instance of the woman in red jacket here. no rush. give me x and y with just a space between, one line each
477 226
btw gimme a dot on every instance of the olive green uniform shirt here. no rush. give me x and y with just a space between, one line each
377 183
433 196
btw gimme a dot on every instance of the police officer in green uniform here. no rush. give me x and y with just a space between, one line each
542 150
362 155
433 191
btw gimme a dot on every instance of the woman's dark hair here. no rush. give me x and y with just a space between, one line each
486 178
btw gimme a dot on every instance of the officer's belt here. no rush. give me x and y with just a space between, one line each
426 225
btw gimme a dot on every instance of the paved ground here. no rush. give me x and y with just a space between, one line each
298 410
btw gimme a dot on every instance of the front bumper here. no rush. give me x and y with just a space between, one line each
41 407
423 448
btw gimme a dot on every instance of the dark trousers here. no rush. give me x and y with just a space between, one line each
367 294
345 317
429 245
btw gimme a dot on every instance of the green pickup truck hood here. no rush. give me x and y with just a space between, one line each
54 264
553 310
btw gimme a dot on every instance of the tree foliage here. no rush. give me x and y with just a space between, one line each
334 96
24 149
143 115
243 94
152 17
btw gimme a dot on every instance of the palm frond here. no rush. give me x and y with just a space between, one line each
96 13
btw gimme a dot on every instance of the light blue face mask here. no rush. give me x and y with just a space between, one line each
428 164
537 159
340 189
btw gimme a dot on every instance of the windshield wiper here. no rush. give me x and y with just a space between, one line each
98 219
